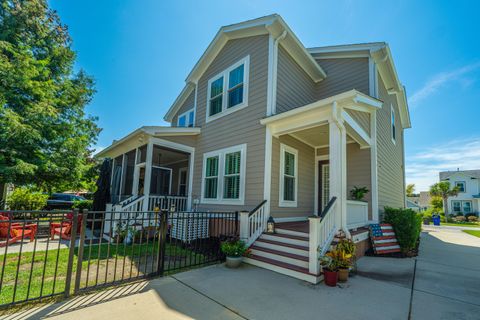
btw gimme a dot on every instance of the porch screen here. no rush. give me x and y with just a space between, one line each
211 178
289 177
161 181
232 176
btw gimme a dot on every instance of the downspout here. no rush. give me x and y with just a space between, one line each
273 92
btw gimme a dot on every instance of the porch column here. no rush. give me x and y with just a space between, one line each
338 168
148 175
191 160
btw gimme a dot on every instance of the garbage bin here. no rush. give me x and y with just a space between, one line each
436 220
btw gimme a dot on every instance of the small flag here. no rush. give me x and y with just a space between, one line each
383 238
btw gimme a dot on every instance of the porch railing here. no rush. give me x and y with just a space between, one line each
357 214
253 223
180 202
322 231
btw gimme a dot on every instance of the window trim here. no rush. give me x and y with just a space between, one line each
186 114
464 186
225 74
453 205
281 201
393 126
242 148
463 207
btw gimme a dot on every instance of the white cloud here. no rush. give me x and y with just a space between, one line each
441 79
422 168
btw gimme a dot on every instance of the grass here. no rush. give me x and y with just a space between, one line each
130 261
475 233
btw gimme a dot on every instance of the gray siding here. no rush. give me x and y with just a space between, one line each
362 118
391 184
190 141
343 74
306 179
359 171
294 87
187 105
240 127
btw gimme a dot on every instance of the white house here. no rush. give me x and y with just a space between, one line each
468 182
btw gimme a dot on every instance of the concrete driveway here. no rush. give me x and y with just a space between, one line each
442 283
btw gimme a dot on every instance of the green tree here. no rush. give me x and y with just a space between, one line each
45 133
442 189
410 190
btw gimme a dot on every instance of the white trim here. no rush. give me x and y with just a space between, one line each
315 187
190 179
195 102
267 177
270 81
281 202
225 74
221 175
358 129
290 219
374 167
172 145
186 115
372 78
295 135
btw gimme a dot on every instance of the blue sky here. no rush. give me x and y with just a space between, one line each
140 52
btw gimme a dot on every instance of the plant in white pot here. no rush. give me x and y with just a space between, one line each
234 250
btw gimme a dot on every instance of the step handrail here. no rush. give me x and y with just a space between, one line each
253 223
257 207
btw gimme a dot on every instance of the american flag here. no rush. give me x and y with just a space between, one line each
383 238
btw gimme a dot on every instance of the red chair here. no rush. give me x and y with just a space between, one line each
18 231
64 229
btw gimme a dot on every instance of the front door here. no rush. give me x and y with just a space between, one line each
323 184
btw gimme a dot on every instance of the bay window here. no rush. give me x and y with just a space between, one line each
224 176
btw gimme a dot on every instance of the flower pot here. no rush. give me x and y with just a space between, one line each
234 262
330 277
343 275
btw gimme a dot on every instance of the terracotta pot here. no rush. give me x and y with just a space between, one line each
234 262
330 278
343 275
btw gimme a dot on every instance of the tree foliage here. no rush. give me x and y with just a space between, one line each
45 132
410 190
443 190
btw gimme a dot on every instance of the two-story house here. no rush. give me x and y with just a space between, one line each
265 123
468 183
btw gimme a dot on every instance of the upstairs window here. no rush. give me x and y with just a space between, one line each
228 91
460 185
186 119
394 130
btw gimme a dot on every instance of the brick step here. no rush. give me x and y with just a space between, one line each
282 246
285 238
280 253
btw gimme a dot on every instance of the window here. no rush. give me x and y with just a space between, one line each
182 182
228 91
187 119
456 206
460 185
288 176
224 176
394 132
467 206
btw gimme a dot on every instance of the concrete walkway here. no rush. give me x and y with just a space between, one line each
445 285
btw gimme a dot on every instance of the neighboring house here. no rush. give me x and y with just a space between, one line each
264 120
413 205
468 183
422 200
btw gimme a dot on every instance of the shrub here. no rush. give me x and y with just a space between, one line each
472 219
407 226
83 204
24 199
358 193
234 248
460 218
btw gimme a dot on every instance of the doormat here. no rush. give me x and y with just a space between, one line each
383 238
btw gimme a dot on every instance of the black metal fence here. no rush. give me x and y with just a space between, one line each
60 253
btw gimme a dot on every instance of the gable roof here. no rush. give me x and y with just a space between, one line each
381 54
475 174
273 25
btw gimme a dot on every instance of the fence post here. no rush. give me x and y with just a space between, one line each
81 245
162 238
71 251
244 233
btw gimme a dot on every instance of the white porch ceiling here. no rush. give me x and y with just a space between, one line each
316 136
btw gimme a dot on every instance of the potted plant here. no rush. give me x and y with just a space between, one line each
344 263
358 193
347 246
234 251
330 270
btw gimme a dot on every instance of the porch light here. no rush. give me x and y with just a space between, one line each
270 225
